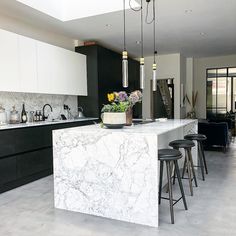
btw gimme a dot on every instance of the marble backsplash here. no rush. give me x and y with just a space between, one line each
35 102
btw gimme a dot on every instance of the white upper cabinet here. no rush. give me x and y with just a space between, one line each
46 68
27 64
63 71
9 66
76 73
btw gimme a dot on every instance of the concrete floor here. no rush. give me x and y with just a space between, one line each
28 210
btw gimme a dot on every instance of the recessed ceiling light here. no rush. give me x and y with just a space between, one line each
187 11
138 42
66 10
108 25
202 34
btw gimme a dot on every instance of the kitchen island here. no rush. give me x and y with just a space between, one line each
113 173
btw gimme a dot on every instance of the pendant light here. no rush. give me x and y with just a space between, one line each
125 79
154 66
142 67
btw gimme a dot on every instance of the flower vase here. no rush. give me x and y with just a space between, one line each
129 117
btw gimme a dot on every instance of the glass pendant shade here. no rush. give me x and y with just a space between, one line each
154 77
125 79
142 74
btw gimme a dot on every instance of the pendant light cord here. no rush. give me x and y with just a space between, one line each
142 43
147 13
124 15
154 30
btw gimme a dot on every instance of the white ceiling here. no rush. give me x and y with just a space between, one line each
208 27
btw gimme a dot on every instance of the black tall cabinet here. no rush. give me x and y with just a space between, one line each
104 68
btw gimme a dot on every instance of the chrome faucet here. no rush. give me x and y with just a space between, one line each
46 117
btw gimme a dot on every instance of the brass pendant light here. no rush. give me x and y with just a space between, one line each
142 63
142 67
125 77
154 66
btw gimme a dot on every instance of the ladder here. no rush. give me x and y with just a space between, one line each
166 97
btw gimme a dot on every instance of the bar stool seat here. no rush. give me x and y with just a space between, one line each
202 159
169 156
182 143
197 137
188 162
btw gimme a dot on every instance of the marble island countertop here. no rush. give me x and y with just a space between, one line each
41 123
113 173
155 127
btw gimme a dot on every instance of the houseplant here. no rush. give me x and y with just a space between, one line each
119 110
192 113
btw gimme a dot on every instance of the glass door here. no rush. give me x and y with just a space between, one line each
221 91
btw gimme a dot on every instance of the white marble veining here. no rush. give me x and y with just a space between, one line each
26 125
112 173
35 101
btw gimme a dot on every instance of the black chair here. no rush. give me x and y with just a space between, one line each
168 156
202 159
217 134
188 162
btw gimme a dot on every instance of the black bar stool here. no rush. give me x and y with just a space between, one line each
202 160
187 146
168 156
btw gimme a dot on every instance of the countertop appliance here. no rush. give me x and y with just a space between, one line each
80 113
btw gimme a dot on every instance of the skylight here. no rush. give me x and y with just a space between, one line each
66 10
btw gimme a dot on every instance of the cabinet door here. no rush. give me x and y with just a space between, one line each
9 69
76 72
34 162
46 67
7 143
7 170
61 71
32 138
27 64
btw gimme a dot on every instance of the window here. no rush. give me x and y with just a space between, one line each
221 91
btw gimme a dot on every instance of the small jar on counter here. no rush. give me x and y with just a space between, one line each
3 116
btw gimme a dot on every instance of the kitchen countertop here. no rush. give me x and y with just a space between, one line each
113 173
155 127
42 123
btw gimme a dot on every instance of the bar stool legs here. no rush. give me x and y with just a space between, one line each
188 164
203 156
192 166
180 184
199 138
172 202
200 155
160 181
168 171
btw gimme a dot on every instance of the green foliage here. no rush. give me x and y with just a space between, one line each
193 101
116 107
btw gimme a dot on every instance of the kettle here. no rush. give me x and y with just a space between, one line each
80 113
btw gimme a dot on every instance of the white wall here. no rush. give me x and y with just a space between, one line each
183 84
189 80
168 66
19 27
199 82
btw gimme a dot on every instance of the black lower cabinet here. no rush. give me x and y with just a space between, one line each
26 154
8 170
34 162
